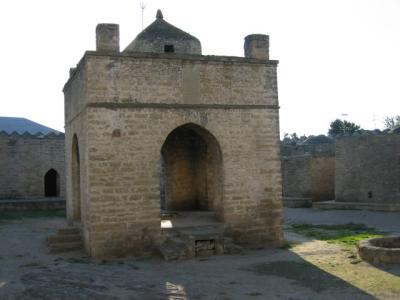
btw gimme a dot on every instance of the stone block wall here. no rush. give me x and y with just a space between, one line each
123 111
296 174
368 168
322 178
318 150
24 161
309 171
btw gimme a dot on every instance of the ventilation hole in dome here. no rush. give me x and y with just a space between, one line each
169 48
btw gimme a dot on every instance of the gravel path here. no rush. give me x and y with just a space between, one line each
309 270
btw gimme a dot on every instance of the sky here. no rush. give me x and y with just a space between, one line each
337 58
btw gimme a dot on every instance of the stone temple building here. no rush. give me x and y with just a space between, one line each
31 160
158 134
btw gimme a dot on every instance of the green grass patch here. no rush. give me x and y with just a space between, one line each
21 215
345 234
286 245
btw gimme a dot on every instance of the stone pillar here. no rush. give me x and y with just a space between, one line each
256 46
107 37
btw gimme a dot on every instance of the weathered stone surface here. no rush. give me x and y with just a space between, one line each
25 159
66 239
256 46
162 37
107 37
368 169
295 202
308 170
380 250
121 109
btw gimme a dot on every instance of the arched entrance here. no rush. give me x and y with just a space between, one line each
51 184
191 177
76 180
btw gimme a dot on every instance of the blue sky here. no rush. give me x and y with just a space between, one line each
336 58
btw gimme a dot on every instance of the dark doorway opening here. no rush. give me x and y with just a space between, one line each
51 184
169 49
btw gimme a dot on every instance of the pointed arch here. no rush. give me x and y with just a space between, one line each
191 170
76 179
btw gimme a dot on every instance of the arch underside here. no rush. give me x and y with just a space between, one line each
191 166
76 180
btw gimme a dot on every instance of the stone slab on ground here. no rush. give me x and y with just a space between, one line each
295 202
383 221
32 204
389 207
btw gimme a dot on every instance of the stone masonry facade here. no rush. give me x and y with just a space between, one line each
31 166
368 168
309 171
122 111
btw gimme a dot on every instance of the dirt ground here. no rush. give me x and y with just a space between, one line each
309 270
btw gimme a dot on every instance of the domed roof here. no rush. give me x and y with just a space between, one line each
162 37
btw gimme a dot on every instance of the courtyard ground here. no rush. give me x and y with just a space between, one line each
306 269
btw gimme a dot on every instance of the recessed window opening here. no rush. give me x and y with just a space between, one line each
169 49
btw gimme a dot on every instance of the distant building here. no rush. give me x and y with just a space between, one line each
31 160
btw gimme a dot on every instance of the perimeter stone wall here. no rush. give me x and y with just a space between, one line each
368 168
309 171
24 161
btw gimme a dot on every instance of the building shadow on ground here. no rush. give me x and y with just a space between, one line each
262 274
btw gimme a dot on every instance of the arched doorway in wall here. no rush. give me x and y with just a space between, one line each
191 171
52 184
76 180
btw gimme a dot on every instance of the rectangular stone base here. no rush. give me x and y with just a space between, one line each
295 202
391 207
32 204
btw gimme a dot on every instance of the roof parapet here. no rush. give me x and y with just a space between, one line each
38 134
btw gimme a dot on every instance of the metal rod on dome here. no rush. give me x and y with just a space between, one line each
142 6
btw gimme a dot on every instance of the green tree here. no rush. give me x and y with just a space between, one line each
293 139
342 126
392 122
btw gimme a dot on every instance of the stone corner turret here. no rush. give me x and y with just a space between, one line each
107 37
256 46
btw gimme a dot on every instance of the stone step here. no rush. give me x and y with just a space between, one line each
210 228
197 242
64 238
174 249
69 230
230 247
65 247
202 233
